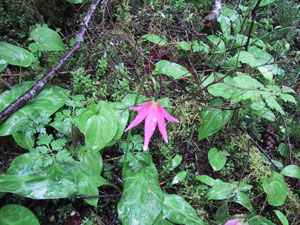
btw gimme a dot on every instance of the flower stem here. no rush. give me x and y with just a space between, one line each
138 93
156 88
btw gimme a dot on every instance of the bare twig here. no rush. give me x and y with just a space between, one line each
288 139
253 15
262 151
13 107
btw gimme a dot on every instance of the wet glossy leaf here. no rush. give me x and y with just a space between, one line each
281 217
76 1
129 99
185 45
221 191
291 171
47 102
218 42
15 55
243 199
265 2
24 139
171 69
56 181
142 198
256 219
213 120
154 39
206 180
45 39
161 220
3 64
217 159
179 177
176 161
99 125
122 115
13 214
177 210
275 188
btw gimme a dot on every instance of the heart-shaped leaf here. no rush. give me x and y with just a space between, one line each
45 39
291 171
99 125
276 189
217 159
177 210
13 214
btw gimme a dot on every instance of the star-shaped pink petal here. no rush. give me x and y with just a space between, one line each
154 114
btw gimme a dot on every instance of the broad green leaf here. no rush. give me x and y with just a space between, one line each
217 159
225 25
185 45
213 120
56 181
291 171
179 177
161 220
266 72
206 180
243 199
221 191
200 46
122 115
218 42
273 104
3 64
177 210
13 214
24 139
47 102
129 99
142 198
281 217
258 220
171 69
154 39
222 213
265 113
15 55
222 90
246 81
275 188
99 125
45 39
176 161
76 1
265 2
288 98
93 161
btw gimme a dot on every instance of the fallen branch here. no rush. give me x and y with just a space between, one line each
21 101
208 19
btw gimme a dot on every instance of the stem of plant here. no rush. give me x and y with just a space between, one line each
156 88
139 90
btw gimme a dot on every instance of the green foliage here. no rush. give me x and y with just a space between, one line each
213 120
217 159
45 39
171 69
15 55
12 214
47 102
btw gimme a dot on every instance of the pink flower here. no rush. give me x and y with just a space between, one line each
154 114
238 221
